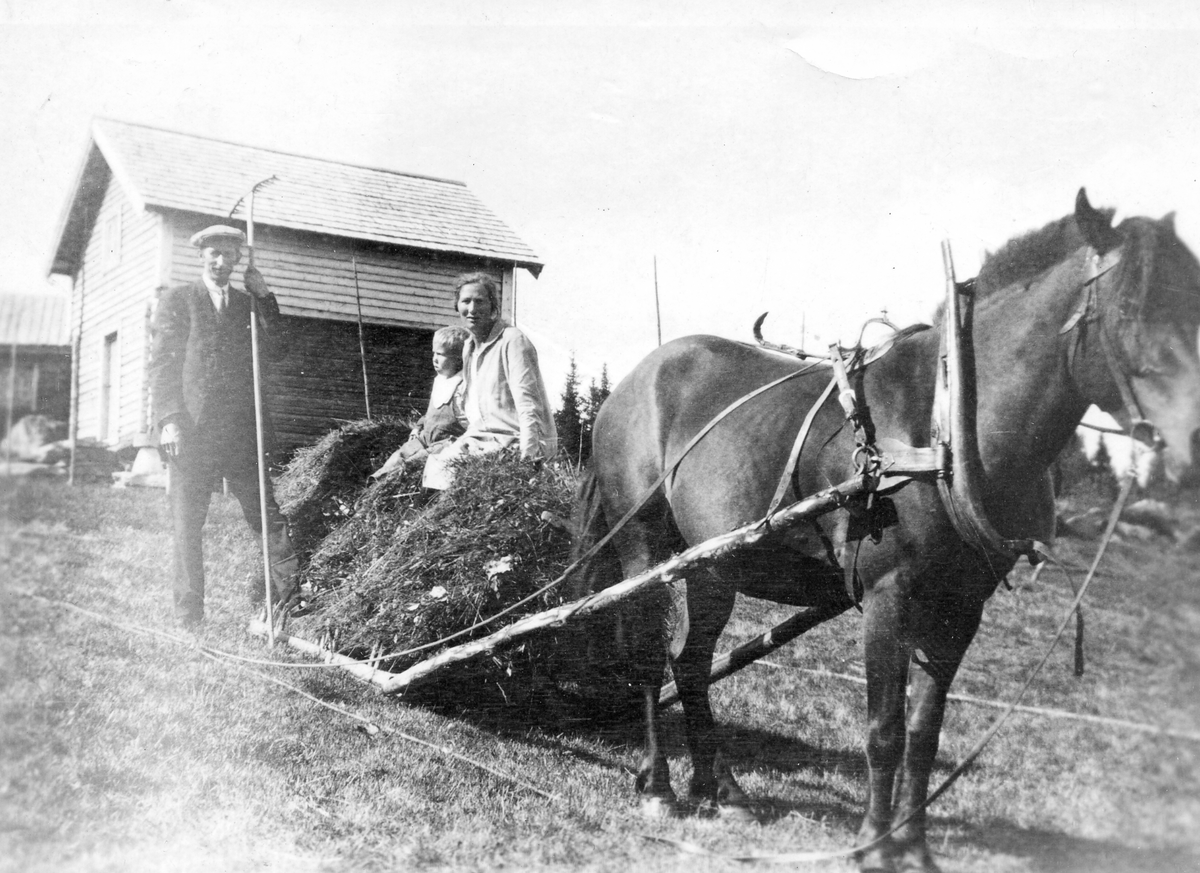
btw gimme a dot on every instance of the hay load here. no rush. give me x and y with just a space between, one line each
318 490
396 570
398 576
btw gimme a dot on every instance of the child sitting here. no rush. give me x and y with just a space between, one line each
445 419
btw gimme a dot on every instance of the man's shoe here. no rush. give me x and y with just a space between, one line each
297 602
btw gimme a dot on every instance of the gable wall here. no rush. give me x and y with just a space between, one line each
115 287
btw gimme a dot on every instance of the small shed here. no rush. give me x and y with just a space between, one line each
35 354
338 243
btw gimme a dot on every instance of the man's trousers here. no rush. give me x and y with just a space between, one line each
194 474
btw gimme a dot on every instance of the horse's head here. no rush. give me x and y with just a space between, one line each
1148 325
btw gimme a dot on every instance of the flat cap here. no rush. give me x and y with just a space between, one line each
217 231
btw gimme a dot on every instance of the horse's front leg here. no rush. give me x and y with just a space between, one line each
886 655
945 629
709 603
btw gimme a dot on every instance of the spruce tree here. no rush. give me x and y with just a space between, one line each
591 408
568 417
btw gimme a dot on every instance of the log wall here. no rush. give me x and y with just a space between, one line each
318 382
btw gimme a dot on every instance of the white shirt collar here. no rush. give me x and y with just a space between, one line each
215 292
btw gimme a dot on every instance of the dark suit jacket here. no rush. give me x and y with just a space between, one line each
201 366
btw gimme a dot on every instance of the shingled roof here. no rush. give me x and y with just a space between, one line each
162 169
35 320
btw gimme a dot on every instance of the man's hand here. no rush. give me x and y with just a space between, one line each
171 439
255 283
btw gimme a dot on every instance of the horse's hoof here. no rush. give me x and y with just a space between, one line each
659 808
875 860
737 812
919 861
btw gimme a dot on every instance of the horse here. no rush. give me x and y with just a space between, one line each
1080 312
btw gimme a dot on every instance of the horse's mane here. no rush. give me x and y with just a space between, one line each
1025 256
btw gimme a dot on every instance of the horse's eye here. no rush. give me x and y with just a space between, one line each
1162 357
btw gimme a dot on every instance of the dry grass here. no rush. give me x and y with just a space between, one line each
129 752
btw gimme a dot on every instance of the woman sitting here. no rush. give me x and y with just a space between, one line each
505 397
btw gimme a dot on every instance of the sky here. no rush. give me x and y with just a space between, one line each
755 156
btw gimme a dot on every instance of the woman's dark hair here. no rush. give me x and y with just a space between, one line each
489 283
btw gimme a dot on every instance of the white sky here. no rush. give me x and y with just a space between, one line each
803 163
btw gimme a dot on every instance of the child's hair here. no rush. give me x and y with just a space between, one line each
450 339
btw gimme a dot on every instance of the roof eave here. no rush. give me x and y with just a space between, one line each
62 261
533 265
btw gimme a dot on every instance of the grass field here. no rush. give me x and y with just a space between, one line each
124 750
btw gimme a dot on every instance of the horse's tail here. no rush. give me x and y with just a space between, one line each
622 644
601 569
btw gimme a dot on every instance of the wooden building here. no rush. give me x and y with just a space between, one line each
333 240
35 355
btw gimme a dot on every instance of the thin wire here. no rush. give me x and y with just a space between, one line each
229 659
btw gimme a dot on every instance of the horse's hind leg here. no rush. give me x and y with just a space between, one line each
640 630
710 602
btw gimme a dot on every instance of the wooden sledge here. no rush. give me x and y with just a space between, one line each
706 552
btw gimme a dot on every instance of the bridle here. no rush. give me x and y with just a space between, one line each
1096 267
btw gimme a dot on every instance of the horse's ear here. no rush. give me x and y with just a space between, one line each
1095 224
1168 221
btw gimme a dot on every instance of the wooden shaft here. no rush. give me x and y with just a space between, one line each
707 551
359 670
761 646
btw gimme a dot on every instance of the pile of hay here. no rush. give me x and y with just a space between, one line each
318 490
398 569
405 570
363 529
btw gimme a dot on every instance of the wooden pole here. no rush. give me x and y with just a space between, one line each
259 422
12 400
761 646
657 310
514 293
362 348
76 353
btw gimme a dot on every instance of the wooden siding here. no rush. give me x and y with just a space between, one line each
114 290
318 384
312 275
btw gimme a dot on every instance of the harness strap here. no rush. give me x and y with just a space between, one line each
794 456
1096 266
669 469
847 397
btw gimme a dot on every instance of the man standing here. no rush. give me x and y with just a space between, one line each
202 385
